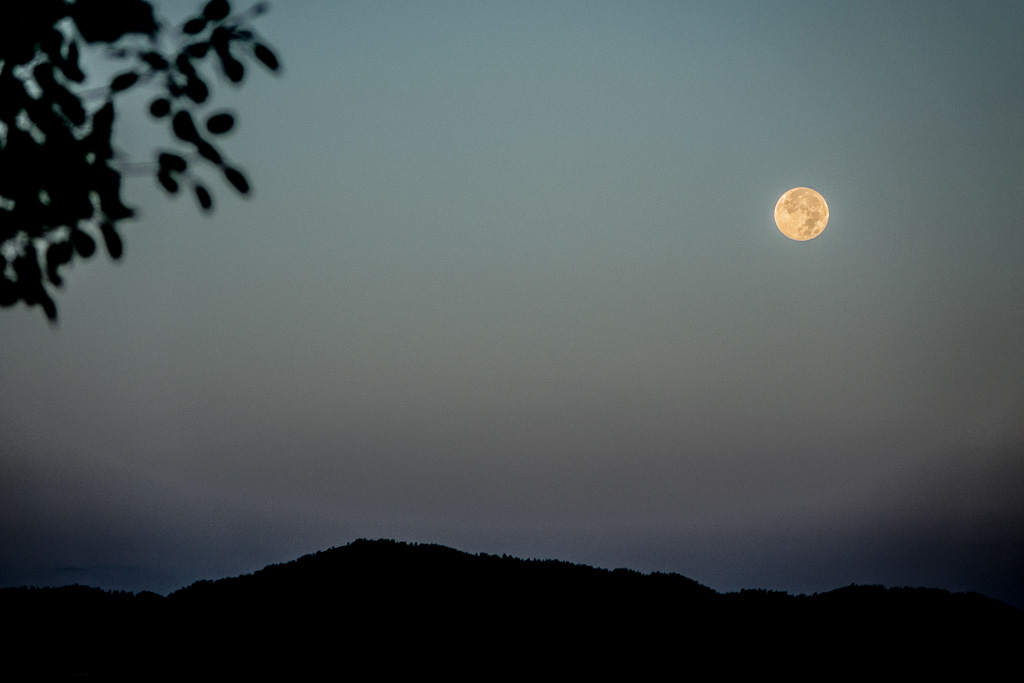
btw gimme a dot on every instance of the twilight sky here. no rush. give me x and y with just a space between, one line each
509 282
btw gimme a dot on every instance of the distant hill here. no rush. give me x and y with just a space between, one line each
373 609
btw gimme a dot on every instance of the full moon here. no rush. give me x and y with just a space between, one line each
801 214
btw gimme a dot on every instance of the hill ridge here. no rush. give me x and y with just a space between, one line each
379 599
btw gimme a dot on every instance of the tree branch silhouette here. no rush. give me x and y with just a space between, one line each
60 177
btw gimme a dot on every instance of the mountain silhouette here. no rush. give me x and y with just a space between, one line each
384 608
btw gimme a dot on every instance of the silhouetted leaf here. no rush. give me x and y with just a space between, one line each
50 42
216 10
114 209
47 303
209 151
84 244
265 55
72 107
155 60
124 81
26 266
107 184
236 178
70 64
205 200
107 20
194 26
113 241
43 73
184 64
160 107
102 121
220 38
219 124
184 128
53 276
232 68
196 89
59 253
198 50
172 162
8 291
169 183
78 202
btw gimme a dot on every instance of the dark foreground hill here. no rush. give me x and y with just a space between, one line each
375 609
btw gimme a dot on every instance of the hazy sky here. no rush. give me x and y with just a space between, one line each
509 282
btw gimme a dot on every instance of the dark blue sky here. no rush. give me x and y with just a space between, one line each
509 281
